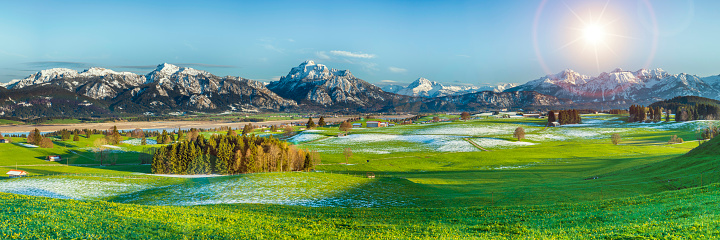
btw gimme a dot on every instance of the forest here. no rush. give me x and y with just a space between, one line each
231 154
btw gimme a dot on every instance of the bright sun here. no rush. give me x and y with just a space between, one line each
594 34
597 33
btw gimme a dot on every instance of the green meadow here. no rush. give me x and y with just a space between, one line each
452 179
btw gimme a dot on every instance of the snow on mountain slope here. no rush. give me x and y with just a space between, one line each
41 77
168 86
423 87
642 86
316 84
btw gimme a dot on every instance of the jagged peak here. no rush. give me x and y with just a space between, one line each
423 81
311 70
167 68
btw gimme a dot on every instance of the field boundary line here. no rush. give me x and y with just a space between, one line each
475 144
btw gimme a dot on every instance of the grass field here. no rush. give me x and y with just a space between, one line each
432 181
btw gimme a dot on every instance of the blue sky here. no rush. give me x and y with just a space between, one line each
460 42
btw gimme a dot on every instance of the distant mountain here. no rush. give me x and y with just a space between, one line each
316 85
484 101
423 87
623 87
167 88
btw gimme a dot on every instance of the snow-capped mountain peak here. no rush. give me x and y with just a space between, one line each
643 86
309 70
426 88
41 77
167 68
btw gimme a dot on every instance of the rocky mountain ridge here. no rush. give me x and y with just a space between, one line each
423 87
643 86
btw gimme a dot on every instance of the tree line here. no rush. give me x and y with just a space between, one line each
565 117
639 113
231 154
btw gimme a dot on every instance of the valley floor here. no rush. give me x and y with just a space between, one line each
462 179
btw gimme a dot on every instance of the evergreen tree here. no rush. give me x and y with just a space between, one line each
76 137
551 117
310 124
175 158
231 132
321 122
221 163
180 135
247 129
158 161
143 141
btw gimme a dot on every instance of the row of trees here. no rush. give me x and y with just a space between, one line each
311 124
638 113
565 117
698 112
228 154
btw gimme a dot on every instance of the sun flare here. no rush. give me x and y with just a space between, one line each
597 33
594 34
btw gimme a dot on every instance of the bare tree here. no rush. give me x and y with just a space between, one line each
288 131
465 115
615 138
519 133
348 154
345 126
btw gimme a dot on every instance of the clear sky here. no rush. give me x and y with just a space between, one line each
461 42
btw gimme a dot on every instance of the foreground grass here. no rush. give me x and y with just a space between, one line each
689 213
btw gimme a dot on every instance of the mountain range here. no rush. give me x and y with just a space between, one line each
423 87
622 88
316 87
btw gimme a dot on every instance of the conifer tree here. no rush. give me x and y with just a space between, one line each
231 132
321 122
143 141
76 137
310 124
180 135
221 163
247 129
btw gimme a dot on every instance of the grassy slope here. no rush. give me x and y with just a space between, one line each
690 213
476 200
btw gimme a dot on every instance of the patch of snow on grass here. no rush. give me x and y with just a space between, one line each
138 141
498 143
427 143
67 188
305 137
456 129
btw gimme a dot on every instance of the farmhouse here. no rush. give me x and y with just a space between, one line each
16 173
53 158
374 124
531 115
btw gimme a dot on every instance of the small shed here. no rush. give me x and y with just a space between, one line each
554 124
54 158
4 140
341 134
16 173
370 174
357 125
